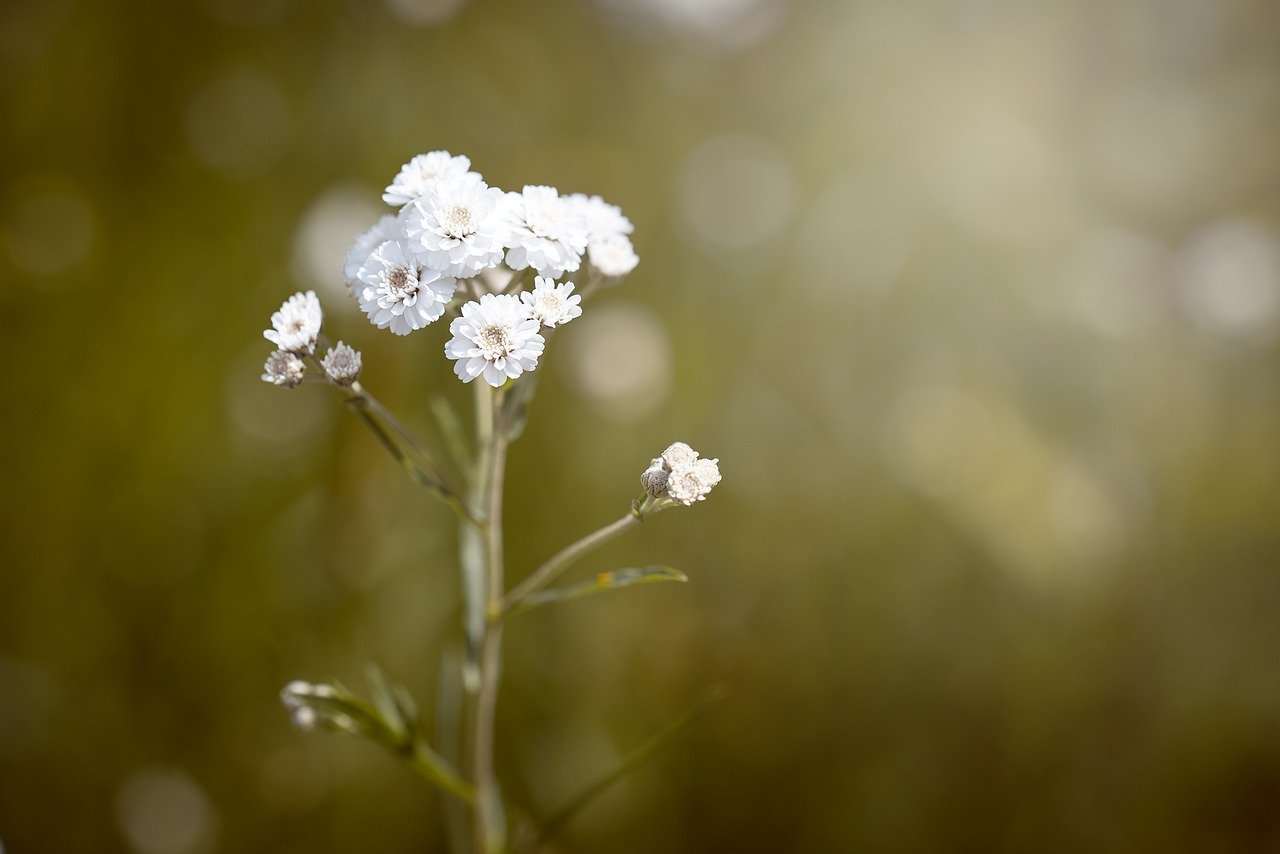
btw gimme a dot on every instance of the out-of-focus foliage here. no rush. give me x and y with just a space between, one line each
977 302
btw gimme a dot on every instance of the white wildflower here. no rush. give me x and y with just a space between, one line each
680 476
386 229
422 172
296 325
397 292
547 232
495 337
678 453
342 364
458 226
690 482
552 304
603 219
284 369
654 478
613 255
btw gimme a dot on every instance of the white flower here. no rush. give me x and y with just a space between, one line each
613 255
551 304
342 364
296 325
495 337
678 453
458 226
284 369
654 478
690 482
422 172
386 229
547 232
603 219
396 291
680 476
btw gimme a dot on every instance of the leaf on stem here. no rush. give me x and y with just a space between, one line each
604 581
387 699
636 757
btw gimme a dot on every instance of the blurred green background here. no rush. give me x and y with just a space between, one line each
976 301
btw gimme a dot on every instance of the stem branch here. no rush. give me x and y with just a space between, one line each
562 559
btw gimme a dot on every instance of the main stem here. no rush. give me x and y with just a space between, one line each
490 826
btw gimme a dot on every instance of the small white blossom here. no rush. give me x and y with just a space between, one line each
458 226
284 369
296 325
547 232
551 304
680 476
495 337
654 478
386 229
678 453
613 255
397 292
690 482
420 173
603 219
342 364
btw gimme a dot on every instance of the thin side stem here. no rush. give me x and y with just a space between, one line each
490 820
407 450
428 765
545 574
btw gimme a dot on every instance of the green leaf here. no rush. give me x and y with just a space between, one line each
387 703
632 760
604 581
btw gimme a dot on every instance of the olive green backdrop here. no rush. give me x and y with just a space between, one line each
976 302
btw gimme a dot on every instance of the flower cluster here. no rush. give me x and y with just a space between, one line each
457 246
295 330
680 476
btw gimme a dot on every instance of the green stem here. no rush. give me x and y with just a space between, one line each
430 766
407 451
489 819
545 574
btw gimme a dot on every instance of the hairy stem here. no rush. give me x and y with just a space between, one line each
545 574
490 821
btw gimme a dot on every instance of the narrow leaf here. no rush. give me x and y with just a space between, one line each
386 702
638 755
604 581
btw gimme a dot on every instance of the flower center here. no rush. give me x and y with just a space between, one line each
551 302
543 222
402 282
494 341
457 221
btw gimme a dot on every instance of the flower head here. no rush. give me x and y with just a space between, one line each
613 255
458 226
547 232
296 325
495 337
422 172
386 229
678 453
397 292
284 369
551 304
680 476
342 364
603 219
690 482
